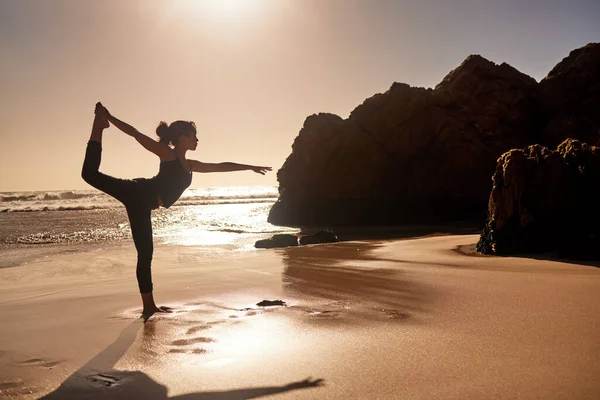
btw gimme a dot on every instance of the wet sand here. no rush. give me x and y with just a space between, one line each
409 319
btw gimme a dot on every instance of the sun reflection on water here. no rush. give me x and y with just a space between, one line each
231 225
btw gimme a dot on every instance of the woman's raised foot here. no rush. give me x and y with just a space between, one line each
101 120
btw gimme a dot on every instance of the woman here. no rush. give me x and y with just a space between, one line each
142 195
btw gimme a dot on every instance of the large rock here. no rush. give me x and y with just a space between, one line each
571 97
426 155
545 200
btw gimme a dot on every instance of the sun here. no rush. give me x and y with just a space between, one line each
231 5
222 8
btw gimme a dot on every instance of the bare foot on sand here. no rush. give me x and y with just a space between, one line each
147 313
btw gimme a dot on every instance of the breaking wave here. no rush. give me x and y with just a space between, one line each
44 196
93 200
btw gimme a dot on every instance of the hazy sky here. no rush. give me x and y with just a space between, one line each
247 71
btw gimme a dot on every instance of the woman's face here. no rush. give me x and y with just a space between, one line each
189 141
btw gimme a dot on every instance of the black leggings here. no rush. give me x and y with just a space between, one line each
136 196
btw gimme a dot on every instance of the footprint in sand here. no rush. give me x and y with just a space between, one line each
14 388
39 362
195 329
182 343
9 385
187 342
394 314
103 379
183 351
189 345
199 303
324 314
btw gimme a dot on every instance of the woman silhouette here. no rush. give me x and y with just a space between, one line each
141 195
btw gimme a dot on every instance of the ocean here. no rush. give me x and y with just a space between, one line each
231 218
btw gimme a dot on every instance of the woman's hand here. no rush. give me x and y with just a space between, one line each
260 170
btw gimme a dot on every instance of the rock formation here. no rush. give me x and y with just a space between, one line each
318 238
545 200
426 155
276 241
570 97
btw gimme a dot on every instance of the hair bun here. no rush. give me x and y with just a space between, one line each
162 130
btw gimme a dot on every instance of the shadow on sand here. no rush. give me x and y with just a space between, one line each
98 380
470 250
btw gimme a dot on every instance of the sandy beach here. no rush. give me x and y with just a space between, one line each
404 319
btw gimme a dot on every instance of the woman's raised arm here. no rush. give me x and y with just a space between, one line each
160 149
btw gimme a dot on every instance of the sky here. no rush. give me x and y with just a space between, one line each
248 72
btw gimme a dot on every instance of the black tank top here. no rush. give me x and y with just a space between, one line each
170 182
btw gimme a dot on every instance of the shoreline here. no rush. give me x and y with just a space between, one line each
17 254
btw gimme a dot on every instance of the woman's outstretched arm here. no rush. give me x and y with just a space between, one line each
160 149
198 166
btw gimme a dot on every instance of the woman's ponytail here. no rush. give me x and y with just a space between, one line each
163 132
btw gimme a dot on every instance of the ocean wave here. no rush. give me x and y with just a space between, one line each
94 235
106 206
119 234
23 197
44 196
232 197
205 202
66 196
74 200
57 208
73 195
251 231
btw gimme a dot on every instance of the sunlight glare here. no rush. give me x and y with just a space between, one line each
222 8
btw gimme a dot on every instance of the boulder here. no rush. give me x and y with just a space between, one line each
278 240
271 303
416 155
545 200
319 237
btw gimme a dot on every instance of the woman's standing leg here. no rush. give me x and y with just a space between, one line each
141 229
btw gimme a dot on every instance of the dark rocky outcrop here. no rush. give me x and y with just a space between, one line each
278 240
426 155
570 97
271 303
319 237
545 201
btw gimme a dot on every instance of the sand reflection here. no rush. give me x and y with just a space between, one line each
346 282
99 379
